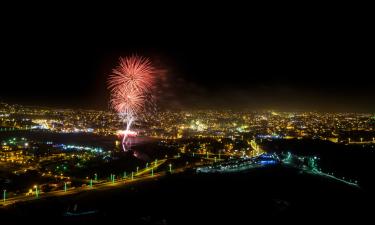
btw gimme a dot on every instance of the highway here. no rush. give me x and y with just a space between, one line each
142 175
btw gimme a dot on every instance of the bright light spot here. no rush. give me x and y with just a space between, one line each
127 132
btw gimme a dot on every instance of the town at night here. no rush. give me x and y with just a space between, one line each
167 124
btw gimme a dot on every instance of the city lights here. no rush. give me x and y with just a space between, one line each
209 116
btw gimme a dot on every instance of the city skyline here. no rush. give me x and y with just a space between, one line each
205 116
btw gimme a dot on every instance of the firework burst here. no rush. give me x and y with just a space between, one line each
133 74
127 102
131 84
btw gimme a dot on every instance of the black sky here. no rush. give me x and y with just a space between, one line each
315 61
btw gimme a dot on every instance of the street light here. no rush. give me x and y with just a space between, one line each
36 191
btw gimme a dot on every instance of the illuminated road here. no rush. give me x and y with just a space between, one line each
315 171
329 176
257 149
142 175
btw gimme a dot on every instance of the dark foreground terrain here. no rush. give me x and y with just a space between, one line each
272 194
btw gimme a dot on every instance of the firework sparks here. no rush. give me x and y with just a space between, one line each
127 102
131 85
133 74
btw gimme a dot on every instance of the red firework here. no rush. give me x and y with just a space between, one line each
134 73
127 101
130 84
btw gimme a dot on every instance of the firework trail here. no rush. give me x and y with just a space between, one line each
131 87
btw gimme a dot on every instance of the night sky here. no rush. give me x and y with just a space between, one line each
296 62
